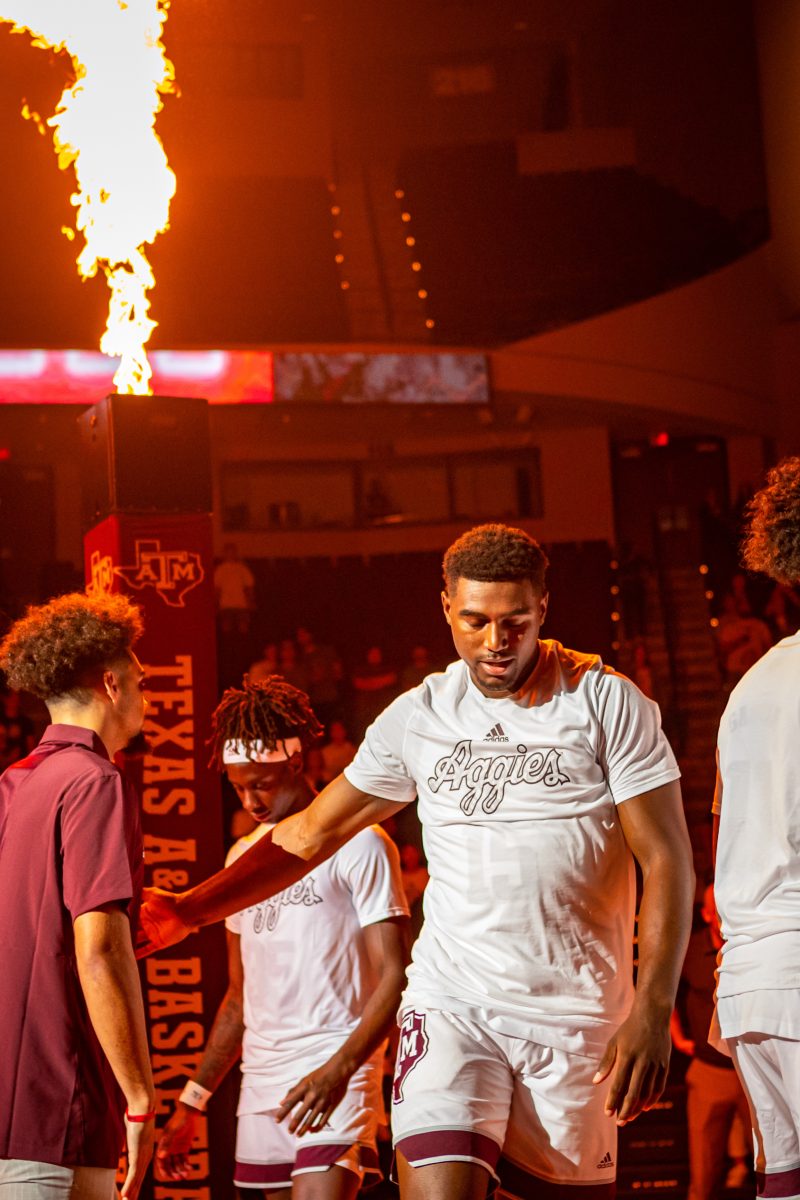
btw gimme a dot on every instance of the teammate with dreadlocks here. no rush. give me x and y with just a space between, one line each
315 976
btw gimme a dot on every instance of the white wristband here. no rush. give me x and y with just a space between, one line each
195 1096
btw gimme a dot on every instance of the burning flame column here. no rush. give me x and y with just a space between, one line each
104 129
148 490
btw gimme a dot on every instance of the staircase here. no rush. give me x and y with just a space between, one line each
653 1151
699 699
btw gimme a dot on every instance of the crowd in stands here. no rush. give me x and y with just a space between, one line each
17 730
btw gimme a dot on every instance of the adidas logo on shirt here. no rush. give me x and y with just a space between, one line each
496 734
605 1161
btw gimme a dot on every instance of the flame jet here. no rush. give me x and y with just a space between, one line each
104 127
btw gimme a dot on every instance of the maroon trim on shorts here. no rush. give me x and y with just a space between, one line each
321 1156
778 1183
309 1158
263 1174
518 1181
443 1145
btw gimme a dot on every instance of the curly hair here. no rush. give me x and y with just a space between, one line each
54 648
772 525
262 714
493 554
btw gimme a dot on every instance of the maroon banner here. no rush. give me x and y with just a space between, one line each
165 564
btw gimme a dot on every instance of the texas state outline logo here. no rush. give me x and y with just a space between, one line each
170 573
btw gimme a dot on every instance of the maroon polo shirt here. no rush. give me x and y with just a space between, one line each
70 841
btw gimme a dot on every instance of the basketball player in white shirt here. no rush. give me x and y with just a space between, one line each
315 976
757 850
538 772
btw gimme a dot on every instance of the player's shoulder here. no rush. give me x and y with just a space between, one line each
577 664
560 672
773 673
372 842
78 769
243 844
440 689
437 691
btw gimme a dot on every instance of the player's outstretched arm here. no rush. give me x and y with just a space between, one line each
313 1099
637 1057
277 860
223 1050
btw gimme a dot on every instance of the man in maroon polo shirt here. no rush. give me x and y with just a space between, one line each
73 1046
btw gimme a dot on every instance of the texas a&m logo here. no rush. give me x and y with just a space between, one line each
102 574
413 1046
171 573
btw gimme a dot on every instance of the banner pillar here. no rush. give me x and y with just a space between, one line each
164 563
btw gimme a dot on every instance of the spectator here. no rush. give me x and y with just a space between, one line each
265 666
643 674
741 640
374 684
235 588
324 668
20 735
741 595
338 751
290 667
314 769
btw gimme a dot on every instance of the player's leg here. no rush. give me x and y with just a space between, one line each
23 1179
264 1158
442 1181
337 1183
450 1103
769 1070
560 1145
332 1164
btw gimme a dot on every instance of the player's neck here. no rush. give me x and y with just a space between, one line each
94 715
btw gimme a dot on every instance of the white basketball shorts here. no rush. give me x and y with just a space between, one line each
268 1156
769 1068
529 1114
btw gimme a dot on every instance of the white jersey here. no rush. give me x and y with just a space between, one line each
307 977
757 887
529 909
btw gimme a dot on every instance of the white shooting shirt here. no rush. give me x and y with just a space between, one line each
307 977
757 886
529 910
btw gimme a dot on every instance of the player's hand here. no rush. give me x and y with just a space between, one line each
159 922
637 1060
313 1099
139 1138
177 1139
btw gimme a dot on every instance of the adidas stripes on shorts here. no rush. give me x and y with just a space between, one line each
465 1093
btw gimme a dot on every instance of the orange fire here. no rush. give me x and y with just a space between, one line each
104 128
